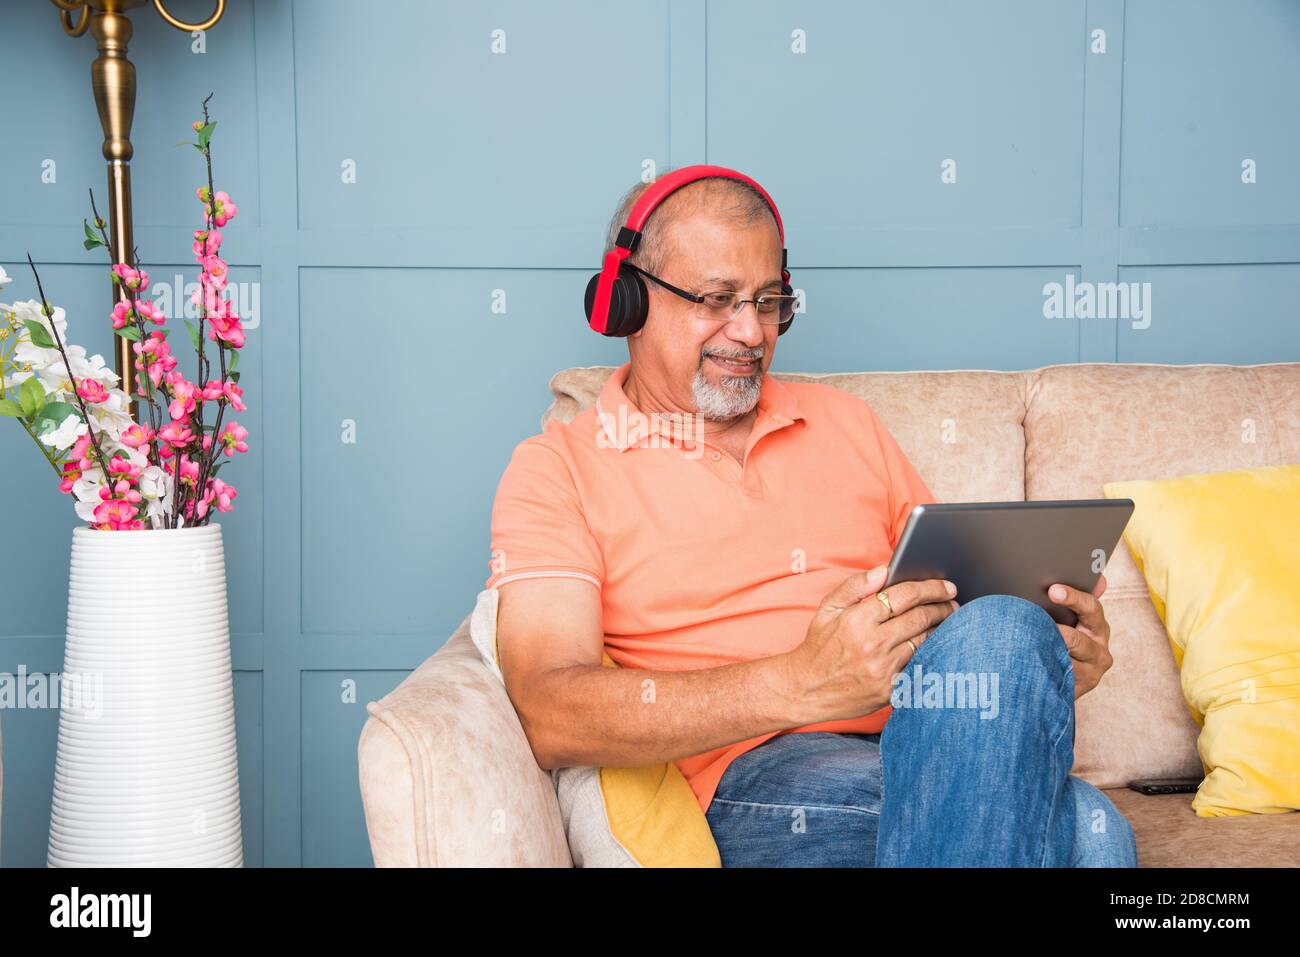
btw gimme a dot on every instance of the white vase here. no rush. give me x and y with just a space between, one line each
146 771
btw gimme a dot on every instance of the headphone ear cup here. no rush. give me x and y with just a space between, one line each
786 290
629 303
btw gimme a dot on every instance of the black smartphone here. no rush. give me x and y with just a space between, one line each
1166 785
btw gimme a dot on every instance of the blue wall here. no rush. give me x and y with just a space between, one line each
478 171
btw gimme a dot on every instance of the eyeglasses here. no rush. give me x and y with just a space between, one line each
724 305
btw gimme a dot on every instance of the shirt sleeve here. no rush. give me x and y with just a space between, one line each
539 529
906 487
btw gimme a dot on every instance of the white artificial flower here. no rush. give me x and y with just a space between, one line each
112 416
92 368
45 362
31 309
55 376
156 489
155 483
66 435
86 491
5 278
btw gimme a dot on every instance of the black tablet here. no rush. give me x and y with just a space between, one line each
1011 548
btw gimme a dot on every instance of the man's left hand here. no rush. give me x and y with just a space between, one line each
1089 640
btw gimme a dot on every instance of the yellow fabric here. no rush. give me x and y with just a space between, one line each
1221 557
653 812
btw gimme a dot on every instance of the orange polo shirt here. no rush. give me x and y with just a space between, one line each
701 560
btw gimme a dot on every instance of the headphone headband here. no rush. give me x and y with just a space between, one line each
675 180
629 237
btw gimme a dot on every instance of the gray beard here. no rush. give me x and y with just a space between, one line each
729 397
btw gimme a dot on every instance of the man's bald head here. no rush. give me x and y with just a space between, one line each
736 203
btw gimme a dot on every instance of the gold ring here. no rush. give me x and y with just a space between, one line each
913 644
884 600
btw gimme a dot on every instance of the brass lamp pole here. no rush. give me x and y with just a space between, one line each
112 76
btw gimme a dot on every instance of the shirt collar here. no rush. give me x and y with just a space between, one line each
625 427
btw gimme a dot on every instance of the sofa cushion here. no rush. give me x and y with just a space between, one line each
1093 423
1220 552
1170 834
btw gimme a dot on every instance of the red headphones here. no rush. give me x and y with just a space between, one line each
617 301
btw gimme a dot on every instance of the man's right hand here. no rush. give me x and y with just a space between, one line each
846 665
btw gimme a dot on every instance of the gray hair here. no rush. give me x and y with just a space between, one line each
737 202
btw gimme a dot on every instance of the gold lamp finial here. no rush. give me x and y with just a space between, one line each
112 77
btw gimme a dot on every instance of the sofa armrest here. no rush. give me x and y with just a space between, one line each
447 776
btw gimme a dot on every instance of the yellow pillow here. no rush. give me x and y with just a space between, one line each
1221 556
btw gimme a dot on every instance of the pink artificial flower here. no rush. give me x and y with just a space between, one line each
148 310
184 394
155 355
135 279
189 471
206 242
137 436
125 468
215 269
176 433
232 438
92 391
115 514
226 327
222 493
234 394
81 452
71 472
230 390
225 209
121 313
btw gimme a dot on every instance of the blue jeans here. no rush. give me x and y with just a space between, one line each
971 770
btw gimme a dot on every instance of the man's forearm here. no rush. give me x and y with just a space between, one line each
627 717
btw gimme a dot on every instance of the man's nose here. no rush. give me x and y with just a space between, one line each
745 327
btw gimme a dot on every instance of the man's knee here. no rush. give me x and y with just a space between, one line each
998 626
1103 836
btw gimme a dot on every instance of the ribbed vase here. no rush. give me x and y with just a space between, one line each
146 771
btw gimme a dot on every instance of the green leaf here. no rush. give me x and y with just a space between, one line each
234 376
194 334
205 134
11 408
40 335
53 415
32 396
91 239
129 332
234 361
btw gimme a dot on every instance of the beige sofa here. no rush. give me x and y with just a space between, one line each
447 776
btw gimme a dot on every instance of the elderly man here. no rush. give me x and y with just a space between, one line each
723 537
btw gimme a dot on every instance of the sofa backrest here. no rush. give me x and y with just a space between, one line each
1062 432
